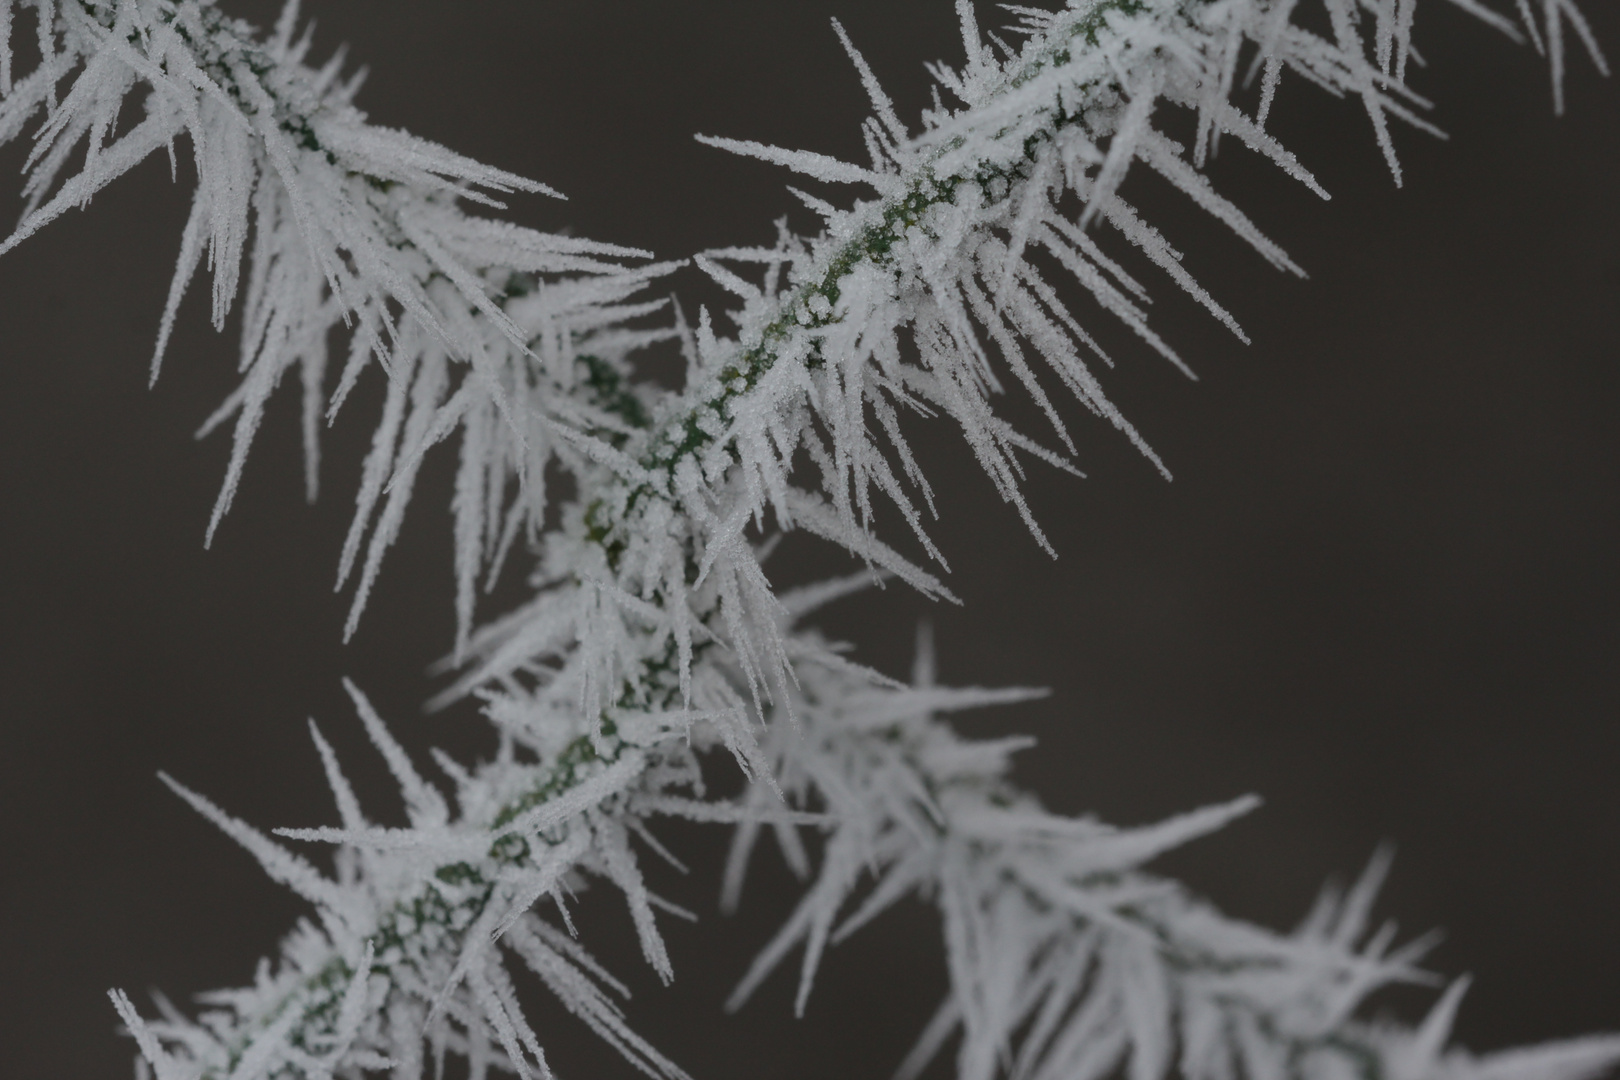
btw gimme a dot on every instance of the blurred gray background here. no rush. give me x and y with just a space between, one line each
1380 591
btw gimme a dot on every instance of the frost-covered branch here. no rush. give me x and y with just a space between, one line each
479 324
1066 960
653 637
925 298
416 933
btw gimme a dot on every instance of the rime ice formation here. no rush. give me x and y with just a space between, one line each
653 637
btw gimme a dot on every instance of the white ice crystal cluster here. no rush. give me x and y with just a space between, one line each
653 639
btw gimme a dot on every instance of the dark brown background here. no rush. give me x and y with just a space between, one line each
1380 591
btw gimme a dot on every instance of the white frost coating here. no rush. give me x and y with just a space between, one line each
292 180
653 636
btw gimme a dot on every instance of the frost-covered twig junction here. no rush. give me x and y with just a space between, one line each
653 636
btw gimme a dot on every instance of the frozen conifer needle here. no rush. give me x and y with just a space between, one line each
969 252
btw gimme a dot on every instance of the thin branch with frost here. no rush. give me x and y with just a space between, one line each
480 325
653 637
919 299
1066 960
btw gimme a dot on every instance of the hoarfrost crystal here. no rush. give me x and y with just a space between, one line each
653 638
